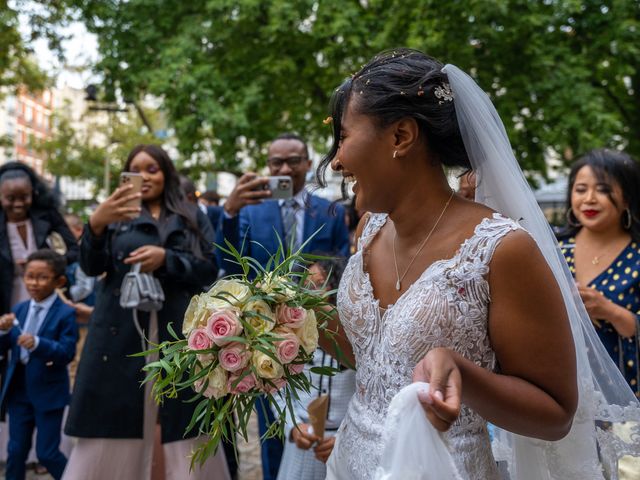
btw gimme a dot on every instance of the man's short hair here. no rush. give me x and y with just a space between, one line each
293 136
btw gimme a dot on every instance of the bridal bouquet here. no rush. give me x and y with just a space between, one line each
241 339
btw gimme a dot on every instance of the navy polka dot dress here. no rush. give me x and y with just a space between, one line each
620 283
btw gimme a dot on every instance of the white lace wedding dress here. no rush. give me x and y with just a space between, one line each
446 307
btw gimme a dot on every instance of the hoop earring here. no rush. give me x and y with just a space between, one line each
395 154
626 222
570 219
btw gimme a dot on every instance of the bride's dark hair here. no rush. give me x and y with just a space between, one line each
397 84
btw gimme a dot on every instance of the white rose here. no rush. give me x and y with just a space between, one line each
278 288
260 323
217 386
228 292
267 367
195 316
308 333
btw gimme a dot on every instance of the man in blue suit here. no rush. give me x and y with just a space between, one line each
41 335
252 219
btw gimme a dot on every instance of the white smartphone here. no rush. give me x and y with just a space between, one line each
134 179
281 187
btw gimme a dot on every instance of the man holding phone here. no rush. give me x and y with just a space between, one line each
251 214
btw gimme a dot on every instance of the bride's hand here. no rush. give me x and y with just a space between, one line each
442 402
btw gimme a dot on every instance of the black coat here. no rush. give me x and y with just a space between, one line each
108 398
44 222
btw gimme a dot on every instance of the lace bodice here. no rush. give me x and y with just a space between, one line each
446 307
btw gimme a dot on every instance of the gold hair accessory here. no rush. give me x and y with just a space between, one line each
327 120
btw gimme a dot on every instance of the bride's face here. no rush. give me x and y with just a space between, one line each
365 160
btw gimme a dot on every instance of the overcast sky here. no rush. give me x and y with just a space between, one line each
81 49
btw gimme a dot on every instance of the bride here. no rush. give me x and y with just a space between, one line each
451 292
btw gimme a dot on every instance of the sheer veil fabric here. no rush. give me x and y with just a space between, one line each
605 399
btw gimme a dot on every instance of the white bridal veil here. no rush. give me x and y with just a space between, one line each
606 403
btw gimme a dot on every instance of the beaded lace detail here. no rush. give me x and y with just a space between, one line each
446 307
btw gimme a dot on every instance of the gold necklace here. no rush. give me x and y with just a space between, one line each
424 242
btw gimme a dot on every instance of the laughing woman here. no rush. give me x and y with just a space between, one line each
602 247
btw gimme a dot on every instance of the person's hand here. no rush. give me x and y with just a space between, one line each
26 340
324 448
598 306
114 209
442 402
6 321
301 436
248 191
83 311
150 257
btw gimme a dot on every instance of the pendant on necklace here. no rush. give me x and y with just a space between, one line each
398 285
596 260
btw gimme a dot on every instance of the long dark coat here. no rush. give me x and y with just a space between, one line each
44 222
108 399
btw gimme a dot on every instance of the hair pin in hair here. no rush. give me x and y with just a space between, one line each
327 120
444 93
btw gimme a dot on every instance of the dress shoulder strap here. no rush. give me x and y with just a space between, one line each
488 234
374 223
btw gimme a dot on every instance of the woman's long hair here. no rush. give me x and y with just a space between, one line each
42 197
610 167
173 199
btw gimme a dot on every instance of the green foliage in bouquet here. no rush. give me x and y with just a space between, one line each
242 339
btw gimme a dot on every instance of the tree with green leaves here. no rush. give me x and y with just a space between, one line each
18 67
564 74
101 145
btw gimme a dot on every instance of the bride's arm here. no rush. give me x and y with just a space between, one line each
535 393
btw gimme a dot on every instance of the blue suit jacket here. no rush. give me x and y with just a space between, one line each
47 379
262 223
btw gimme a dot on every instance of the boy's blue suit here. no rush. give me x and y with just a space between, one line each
260 223
36 393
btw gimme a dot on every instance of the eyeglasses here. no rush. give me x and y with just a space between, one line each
38 278
293 162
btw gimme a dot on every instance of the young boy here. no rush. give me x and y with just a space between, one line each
41 334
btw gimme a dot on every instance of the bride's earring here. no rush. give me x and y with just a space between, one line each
572 221
395 154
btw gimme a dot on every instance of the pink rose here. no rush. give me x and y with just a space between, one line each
223 324
199 339
274 385
287 348
295 368
245 385
234 356
293 317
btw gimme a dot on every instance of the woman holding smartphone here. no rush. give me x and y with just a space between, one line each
111 414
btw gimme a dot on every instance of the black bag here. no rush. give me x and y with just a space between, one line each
141 291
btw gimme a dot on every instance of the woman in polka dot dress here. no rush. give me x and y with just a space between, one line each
601 244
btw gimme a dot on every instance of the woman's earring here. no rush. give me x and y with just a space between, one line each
395 154
572 221
626 222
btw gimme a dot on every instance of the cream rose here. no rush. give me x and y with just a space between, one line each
267 367
195 316
217 386
278 288
259 315
229 292
308 334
